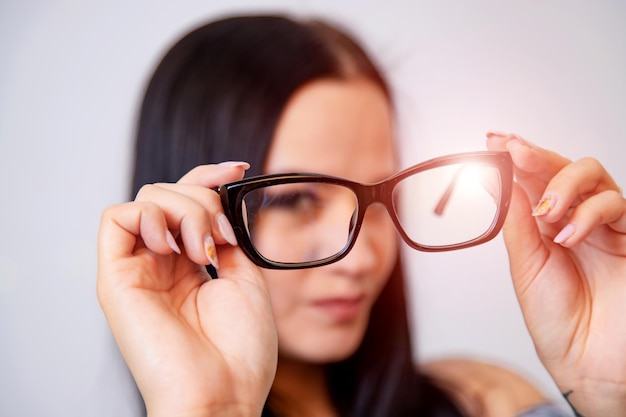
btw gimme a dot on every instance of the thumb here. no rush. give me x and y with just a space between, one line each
235 265
527 252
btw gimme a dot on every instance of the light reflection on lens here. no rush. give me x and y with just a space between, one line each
448 205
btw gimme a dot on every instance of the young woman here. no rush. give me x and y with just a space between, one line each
290 96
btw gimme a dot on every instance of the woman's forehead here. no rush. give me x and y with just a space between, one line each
336 127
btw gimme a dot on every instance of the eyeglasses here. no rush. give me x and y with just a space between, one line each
294 221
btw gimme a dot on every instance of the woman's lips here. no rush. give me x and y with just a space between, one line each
340 308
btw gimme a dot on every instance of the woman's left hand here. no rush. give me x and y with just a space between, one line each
566 238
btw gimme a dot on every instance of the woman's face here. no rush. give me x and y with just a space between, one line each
340 128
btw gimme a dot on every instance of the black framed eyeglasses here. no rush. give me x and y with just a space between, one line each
302 220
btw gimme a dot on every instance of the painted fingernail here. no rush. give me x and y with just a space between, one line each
544 206
171 242
565 233
226 229
210 251
496 133
230 164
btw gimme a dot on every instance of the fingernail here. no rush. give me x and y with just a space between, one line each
210 251
171 242
496 133
230 164
226 229
545 205
565 233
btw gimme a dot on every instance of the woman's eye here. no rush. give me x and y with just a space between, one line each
300 201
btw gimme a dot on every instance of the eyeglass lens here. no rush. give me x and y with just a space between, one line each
300 222
448 205
310 221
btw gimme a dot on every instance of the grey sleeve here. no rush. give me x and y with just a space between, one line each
545 410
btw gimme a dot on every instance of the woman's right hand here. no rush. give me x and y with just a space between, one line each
195 346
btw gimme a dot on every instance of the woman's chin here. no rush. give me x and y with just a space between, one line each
322 350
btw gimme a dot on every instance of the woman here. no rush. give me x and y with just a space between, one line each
289 96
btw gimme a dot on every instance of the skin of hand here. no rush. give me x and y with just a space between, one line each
572 293
195 346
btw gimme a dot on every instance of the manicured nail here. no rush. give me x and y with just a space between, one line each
171 242
226 229
565 233
230 164
544 206
210 251
496 133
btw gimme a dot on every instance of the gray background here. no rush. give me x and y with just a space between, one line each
72 72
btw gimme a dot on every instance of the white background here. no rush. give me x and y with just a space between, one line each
72 72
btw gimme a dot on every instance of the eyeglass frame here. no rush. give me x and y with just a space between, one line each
232 194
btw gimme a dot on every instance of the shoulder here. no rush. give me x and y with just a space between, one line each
482 389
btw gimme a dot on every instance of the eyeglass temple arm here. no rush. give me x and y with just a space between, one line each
445 197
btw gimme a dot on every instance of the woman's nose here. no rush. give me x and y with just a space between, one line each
376 240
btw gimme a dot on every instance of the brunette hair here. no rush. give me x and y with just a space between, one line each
217 95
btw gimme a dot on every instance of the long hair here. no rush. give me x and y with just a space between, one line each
217 95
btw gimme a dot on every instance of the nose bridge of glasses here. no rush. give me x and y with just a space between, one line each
379 193
369 194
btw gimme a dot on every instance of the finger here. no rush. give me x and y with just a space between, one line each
605 208
528 158
573 184
121 227
209 199
187 216
212 176
534 166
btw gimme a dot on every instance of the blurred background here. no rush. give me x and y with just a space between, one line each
71 76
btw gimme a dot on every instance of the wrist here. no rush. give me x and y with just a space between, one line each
596 399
